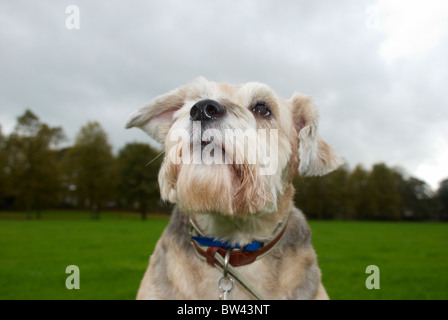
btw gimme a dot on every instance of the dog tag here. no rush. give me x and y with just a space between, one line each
226 285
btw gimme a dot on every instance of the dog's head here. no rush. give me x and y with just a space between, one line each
233 149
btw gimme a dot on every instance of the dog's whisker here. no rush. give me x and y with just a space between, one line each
155 158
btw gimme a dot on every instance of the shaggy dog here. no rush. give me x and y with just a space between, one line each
231 152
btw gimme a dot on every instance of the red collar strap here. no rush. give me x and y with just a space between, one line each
237 257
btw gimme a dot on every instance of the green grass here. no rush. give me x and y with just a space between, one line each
412 258
113 253
69 215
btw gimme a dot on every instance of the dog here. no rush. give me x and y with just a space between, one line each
231 152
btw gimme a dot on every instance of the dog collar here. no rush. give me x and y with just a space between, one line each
207 248
211 242
224 257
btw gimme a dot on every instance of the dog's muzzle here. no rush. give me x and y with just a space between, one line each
207 110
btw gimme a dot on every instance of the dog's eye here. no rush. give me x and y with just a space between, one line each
262 109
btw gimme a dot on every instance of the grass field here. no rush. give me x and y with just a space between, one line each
112 255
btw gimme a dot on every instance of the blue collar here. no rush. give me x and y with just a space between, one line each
211 242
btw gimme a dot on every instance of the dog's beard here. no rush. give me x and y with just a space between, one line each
231 187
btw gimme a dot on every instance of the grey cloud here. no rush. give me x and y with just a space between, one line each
126 53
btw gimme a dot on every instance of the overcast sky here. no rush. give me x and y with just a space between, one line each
377 70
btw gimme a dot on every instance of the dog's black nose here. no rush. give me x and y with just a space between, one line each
206 110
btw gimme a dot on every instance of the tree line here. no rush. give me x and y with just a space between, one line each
38 174
382 193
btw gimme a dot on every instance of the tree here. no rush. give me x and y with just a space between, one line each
359 203
138 166
417 199
91 168
308 196
3 169
442 197
384 193
31 163
335 195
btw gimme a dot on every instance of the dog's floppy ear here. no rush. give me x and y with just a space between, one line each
156 117
315 154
